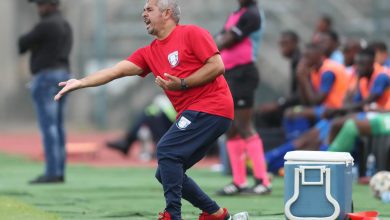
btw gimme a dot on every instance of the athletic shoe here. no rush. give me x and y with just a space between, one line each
119 145
164 216
206 216
257 189
230 190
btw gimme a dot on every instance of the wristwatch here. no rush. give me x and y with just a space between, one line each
183 84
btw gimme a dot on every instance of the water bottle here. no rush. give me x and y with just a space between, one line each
385 197
241 216
355 173
147 145
370 169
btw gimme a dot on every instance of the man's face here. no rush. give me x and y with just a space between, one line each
43 8
153 17
322 26
312 56
349 52
327 44
381 56
364 64
349 56
287 46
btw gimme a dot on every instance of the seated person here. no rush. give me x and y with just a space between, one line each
158 117
271 114
374 124
323 84
382 55
350 49
373 88
377 91
330 43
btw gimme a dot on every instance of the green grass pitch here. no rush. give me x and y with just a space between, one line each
127 193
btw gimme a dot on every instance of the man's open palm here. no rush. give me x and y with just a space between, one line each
69 86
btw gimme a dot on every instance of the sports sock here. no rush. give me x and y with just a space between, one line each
236 151
254 147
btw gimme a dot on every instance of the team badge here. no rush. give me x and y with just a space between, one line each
183 123
173 58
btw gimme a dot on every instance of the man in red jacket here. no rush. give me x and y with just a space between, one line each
187 66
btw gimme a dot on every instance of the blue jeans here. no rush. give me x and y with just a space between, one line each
50 116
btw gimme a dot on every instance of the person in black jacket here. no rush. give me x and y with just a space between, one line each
50 44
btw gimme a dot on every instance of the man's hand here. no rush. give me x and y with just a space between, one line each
172 82
69 86
303 70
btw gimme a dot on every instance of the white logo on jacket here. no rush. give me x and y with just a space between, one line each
183 123
173 58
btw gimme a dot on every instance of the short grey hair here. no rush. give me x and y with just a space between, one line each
170 4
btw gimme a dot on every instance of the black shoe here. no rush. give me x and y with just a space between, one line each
48 179
230 190
119 145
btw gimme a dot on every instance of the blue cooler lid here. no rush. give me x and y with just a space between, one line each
319 156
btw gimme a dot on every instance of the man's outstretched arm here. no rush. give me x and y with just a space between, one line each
121 69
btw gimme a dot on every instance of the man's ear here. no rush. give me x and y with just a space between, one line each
167 13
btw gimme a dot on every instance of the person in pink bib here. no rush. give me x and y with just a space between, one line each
239 42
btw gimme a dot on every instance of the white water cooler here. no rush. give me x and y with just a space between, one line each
317 185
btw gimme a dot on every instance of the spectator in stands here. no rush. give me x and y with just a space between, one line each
324 24
271 114
330 43
382 55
